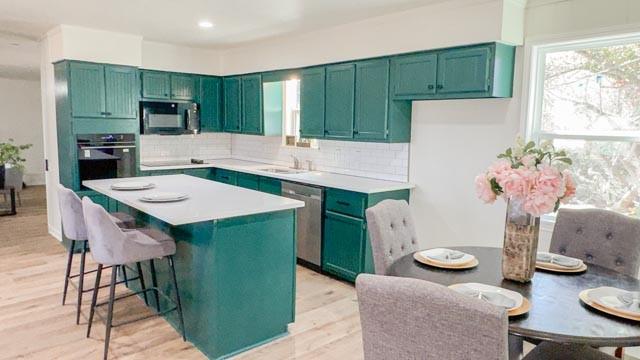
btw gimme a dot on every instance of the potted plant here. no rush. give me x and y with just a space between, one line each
10 154
533 180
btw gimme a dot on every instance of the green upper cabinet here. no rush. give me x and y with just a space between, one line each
414 75
156 84
182 86
103 91
312 94
121 94
87 90
372 96
339 97
251 105
478 71
232 99
464 70
210 99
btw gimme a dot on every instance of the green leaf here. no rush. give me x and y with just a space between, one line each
530 145
565 160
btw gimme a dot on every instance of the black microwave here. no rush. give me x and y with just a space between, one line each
169 118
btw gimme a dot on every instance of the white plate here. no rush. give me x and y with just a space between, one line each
164 197
132 185
483 288
558 260
436 253
608 297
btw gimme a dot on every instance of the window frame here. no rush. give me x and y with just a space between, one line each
536 50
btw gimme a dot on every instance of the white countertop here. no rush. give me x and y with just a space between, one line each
208 200
319 178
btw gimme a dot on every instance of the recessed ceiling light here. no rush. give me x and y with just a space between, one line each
205 24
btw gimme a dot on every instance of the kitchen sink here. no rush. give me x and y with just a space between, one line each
283 171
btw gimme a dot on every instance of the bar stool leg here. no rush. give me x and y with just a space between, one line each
112 294
68 271
175 287
124 275
141 278
154 282
81 281
94 299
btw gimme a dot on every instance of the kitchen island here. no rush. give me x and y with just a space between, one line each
235 258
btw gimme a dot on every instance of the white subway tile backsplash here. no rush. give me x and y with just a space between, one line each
207 145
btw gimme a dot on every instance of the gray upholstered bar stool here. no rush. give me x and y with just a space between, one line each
74 229
111 245
392 233
405 318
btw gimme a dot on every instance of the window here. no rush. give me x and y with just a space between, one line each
586 99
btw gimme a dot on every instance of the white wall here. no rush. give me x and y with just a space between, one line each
168 57
449 23
21 121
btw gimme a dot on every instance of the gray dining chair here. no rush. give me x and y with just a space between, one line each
113 246
599 237
74 229
392 233
404 318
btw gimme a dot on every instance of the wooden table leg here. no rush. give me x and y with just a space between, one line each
515 347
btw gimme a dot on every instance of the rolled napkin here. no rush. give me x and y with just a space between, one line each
561 260
492 297
614 298
447 255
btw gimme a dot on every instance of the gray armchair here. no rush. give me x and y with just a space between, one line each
13 178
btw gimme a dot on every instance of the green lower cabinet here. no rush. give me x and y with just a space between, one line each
343 245
248 181
201 173
270 185
161 172
226 176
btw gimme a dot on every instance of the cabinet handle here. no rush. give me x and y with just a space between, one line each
108 113
343 203
430 87
440 86
326 132
355 132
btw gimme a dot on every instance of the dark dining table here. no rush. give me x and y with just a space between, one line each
556 313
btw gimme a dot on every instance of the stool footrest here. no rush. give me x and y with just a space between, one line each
155 312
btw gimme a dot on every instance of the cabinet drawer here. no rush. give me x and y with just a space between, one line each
346 202
270 185
248 181
201 173
226 176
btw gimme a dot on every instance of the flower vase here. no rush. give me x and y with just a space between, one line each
520 243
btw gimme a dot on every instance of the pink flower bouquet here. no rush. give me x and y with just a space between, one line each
534 176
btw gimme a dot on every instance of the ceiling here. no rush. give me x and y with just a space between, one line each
236 21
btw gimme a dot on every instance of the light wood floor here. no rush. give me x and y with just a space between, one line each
34 324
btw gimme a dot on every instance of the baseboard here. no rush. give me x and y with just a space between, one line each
55 233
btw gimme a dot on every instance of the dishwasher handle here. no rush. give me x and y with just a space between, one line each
292 192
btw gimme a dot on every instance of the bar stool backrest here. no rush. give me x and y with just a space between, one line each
71 212
106 239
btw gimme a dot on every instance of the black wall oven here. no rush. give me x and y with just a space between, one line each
106 156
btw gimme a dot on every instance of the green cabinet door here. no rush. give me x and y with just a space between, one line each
414 75
182 86
231 89
248 181
340 99
464 70
210 98
155 85
270 185
226 176
251 104
121 95
312 86
342 252
372 98
201 173
87 90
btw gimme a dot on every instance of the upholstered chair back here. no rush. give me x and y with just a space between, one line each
392 233
106 239
600 237
405 318
71 212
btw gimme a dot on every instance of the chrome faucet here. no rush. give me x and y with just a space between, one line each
296 162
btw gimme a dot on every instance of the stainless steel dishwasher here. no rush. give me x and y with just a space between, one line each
309 223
